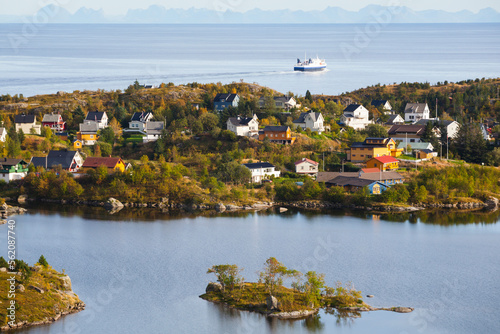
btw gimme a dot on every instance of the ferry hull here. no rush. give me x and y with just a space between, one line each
309 69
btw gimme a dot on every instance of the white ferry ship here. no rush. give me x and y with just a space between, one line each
310 65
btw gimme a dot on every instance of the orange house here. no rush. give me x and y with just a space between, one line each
384 163
113 164
277 134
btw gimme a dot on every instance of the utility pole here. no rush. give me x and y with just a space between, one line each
323 161
436 108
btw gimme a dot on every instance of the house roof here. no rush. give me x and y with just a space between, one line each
402 129
352 107
257 165
95 115
383 143
51 118
24 119
276 128
302 117
426 151
415 146
54 158
377 103
91 127
370 170
10 162
415 108
307 160
2 131
386 159
141 116
153 128
283 98
239 121
225 97
327 176
351 181
382 176
94 162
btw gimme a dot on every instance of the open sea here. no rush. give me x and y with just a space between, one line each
49 58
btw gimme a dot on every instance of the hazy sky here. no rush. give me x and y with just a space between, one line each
116 7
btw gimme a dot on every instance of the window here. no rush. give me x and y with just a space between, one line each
282 135
412 140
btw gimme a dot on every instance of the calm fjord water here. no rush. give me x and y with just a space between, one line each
77 57
145 276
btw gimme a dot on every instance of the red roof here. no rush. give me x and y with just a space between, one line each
308 160
94 162
386 159
370 170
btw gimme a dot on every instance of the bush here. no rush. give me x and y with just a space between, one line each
3 263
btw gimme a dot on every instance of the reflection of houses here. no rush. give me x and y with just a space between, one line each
112 164
311 120
356 116
243 126
277 134
406 133
385 163
451 126
306 166
27 123
98 117
68 160
262 170
372 147
414 112
54 122
13 169
224 101
280 102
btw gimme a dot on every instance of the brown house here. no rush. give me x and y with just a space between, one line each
113 164
277 134
407 133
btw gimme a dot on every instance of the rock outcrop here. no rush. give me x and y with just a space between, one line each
213 287
272 303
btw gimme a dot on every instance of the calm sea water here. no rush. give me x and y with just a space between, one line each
57 57
145 275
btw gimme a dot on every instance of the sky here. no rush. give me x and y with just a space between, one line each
120 7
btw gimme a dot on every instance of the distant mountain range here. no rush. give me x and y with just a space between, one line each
158 14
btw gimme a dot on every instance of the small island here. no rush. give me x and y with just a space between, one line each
34 295
308 292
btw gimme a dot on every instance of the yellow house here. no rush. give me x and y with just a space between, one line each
384 163
373 147
77 144
88 133
113 164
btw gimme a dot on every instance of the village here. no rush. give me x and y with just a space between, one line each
390 139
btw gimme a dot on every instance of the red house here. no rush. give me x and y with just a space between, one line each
54 122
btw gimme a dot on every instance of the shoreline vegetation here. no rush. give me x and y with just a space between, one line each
197 165
41 295
308 293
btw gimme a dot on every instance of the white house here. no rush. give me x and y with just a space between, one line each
3 135
306 166
27 123
356 116
395 119
244 126
261 171
452 127
311 120
138 121
386 106
153 131
280 102
414 112
99 117
12 169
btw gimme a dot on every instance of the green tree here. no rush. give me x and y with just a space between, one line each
470 144
42 261
273 274
228 275
375 130
309 96
107 135
312 287
429 136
